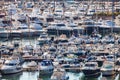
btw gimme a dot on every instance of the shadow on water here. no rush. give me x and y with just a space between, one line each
95 77
44 77
113 77
74 75
12 76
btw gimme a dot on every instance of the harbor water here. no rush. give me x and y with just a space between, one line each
35 76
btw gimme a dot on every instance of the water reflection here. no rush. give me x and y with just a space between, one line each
83 77
44 76
29 76
72 76
114 77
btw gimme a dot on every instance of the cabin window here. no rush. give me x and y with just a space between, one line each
60 24
90 65
10 64
45 63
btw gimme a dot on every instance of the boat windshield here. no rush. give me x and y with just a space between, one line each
63 40
60 24
10 64
58 11
46 63
89 65
43 36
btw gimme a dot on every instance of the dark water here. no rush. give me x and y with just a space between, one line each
35 76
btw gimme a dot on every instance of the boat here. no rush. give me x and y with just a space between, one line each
108 68
31 66
11 66
59 74
43 39
45 67
91 69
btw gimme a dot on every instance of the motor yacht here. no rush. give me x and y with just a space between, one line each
45 67
91 69
59 74
11 65
108 68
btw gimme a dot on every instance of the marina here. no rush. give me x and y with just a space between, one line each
59 40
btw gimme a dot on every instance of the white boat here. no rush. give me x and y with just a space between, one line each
45 67
59 74
91 69
11 65
43 39
32 64
108 68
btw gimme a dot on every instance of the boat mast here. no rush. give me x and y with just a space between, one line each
28 22
96 18
10 18
4 11
54 6
112 16
112 28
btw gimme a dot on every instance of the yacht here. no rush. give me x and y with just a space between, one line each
30 66
11 65
43 39
91 69
45 67
108 68
59 74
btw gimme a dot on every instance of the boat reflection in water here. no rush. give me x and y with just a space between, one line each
36 76
114 77
44 76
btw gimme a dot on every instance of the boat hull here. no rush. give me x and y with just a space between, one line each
88 72
11 71
108 72
4 35
15 34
